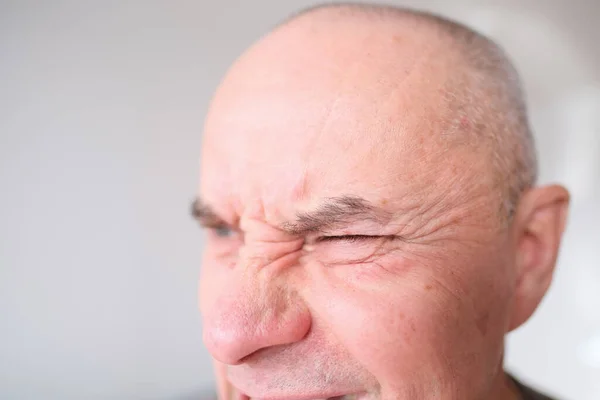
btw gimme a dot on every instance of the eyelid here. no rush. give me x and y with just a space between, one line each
347 238
214 226
224 232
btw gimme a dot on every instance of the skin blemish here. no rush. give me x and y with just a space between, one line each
465 123
300 188
428 287
413 327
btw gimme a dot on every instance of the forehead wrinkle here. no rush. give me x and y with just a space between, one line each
300 187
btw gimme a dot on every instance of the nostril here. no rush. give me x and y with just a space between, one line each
240 396
249 319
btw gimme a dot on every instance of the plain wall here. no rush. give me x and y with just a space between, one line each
101 111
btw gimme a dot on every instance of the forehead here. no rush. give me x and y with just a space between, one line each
293 124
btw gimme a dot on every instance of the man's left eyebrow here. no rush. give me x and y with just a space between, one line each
205 214
336 212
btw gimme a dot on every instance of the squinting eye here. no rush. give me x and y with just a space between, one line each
346 238
222 231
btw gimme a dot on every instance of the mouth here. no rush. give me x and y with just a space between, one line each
342 397
237 395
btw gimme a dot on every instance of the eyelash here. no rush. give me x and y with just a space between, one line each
347 238
224 231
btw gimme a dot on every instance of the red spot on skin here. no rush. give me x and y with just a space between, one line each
465 123
300 189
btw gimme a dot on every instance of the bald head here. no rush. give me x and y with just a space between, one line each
484 94
470 93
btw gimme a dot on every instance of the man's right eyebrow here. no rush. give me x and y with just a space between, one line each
205 214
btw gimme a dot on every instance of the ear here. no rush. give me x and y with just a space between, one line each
537 229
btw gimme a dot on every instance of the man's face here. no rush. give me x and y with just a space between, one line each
355 246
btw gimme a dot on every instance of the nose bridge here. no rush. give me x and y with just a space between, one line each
256 310
263 255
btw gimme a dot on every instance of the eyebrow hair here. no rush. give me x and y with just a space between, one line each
205 215
335 212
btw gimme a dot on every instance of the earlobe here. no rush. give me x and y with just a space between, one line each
537 229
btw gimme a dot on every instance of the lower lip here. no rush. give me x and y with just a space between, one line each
238 395
241 396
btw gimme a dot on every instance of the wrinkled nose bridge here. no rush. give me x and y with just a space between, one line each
256 310
269 256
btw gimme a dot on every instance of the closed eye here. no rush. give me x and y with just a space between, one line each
347 238
221 231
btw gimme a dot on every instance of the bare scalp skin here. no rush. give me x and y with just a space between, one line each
364 236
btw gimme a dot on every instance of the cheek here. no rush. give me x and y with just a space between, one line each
406 323
393 334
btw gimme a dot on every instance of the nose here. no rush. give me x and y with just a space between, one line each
253 314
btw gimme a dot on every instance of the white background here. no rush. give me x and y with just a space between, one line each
101 109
